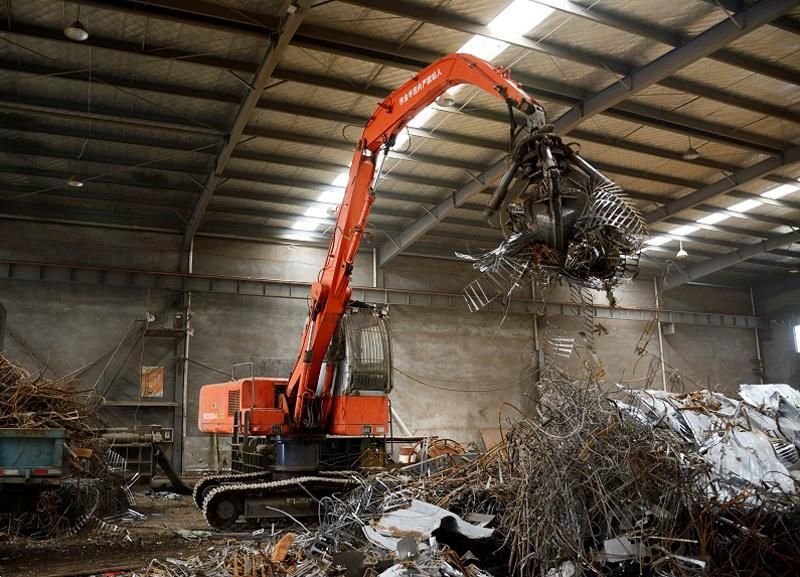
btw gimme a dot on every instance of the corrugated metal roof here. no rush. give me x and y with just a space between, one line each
148 87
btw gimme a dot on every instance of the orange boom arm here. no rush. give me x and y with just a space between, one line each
330 294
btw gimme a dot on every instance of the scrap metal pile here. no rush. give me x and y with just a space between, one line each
641 483
595 485
93 486
562 219
34 402
590 483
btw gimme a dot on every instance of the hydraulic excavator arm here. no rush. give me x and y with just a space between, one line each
330 294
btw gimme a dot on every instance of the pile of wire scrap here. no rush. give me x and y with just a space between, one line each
94 484
562 219
31 401
598 484
589 483
746 502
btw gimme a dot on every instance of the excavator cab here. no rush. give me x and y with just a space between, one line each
362 356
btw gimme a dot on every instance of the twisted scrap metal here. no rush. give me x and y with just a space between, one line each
585 468
34 402
31 401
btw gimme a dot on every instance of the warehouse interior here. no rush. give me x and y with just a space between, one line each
178 177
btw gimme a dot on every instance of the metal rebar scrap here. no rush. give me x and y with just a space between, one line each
31 401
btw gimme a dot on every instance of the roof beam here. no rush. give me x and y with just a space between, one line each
126 119
216 17
71 112
720 228
278 135
779 202
160 165
702 269
723 185
455 22
189 194
628 111
786 23
670 254
291 13
195 12
695 252
597 15
724 244
700 46
422 133
334 167
544 88
276 198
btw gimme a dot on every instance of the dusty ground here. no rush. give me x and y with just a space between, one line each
92 552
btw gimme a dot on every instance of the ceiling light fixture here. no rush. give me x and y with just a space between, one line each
691 152
681 252
76 31
74 181
446 101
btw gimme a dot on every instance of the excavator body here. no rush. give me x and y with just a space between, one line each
221 403
289 436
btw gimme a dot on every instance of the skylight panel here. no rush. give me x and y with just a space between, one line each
745 205
341 179
483 47
780 191
305 224
331 196
298 236
418 121
714 218
684 230
658 240
317 211
516 19
519 17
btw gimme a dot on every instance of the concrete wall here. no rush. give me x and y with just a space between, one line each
456 372
779 302
2 325
709 357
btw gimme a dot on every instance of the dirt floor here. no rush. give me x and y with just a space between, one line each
97 552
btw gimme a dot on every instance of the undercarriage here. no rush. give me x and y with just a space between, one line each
282 478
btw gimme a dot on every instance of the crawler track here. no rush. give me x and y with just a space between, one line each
223 505
200 488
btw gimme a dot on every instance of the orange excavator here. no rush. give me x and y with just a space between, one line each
335 404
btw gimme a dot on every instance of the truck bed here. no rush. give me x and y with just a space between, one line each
31 456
